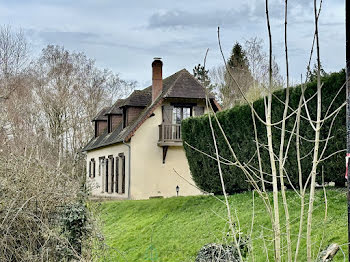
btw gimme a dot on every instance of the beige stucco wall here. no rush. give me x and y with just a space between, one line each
96 183
149 176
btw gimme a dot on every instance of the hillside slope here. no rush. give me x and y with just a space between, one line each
174 229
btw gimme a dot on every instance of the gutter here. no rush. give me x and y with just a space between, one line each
129 167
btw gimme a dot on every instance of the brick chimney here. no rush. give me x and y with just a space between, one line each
157 79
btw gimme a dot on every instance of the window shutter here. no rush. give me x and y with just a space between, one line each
167 115
116 174
103 173
112 175
198 110
123 174
93 169
99 166
106 175
89 168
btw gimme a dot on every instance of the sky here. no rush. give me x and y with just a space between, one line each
125 36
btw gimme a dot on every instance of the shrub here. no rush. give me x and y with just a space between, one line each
238 126
43 212
75 226
219 253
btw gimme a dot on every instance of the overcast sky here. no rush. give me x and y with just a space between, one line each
124 36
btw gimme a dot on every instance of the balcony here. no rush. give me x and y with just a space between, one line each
170 135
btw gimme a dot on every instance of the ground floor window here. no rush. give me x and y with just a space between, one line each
92 168
110 187
121 174
100 165
106 175
113 173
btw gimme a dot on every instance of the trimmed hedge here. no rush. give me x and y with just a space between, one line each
238 125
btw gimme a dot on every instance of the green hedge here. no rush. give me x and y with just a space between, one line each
238 125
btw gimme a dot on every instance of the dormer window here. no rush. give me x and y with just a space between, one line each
125 118
100 127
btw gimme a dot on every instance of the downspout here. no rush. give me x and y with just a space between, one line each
129 166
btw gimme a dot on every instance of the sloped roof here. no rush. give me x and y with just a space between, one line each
119 134
179 85
115 109
101 115
186 86
139 98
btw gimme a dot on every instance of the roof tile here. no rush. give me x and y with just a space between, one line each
114 109
101 115
180 85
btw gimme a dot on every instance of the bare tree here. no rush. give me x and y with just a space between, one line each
70 90
13 60
46 108
259 67
277 169
254 81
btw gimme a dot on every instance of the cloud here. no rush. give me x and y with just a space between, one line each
183 19
240 14
67 37
124 36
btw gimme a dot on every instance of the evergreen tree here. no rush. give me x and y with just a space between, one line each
238 67
202 76
238 58
312 74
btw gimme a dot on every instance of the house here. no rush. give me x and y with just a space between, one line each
137 144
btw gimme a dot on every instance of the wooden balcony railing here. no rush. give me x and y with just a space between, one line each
170 134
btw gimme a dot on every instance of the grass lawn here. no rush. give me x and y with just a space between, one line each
174 229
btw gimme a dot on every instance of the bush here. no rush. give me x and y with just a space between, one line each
238 126
219 253
75 226
43 212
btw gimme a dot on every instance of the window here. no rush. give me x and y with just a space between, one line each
181 113
96 129
111 173
100 163
125 118
106 175
103 173
121 174
186 112
92 168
